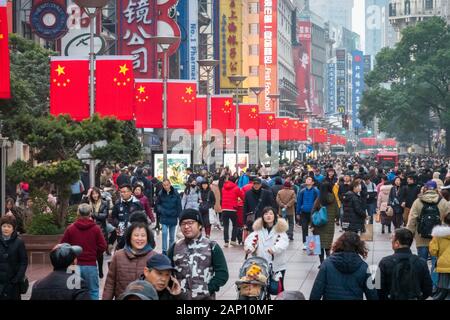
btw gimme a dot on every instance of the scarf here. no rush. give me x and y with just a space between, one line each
141 252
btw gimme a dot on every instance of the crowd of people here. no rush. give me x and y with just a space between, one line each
253 210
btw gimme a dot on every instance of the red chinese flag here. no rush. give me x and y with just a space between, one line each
248 120
318 135
223 113
201 112
181 104
69 87
294 125
334 139
5 91
114 80
283 125
148 105
267 123
302 131
369 141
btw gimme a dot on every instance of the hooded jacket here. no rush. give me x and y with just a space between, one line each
343 276
87 234
261 240
430 196
440 248
436 178
168 205
230 195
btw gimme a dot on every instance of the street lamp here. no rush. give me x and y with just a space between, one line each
91 7
164 43
208 65
274 97
237 80
257 91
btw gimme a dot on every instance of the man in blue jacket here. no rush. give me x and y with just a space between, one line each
305 203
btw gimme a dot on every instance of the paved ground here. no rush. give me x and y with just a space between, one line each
300 274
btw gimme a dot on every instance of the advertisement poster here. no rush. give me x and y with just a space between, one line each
176 168
229 160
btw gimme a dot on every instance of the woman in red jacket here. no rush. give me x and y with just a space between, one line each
139 194
231 194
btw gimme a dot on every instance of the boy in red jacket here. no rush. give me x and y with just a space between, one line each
87 234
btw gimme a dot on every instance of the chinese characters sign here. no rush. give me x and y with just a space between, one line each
230 41
302 64
341 87
268 51
331 78
357 86
137 23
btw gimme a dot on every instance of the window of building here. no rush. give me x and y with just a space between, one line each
253 7
253 71
253 28
392 10
407 8
253 49
428 4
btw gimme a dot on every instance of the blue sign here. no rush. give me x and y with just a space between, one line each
309 148
357 86
331 77
49 20
183 22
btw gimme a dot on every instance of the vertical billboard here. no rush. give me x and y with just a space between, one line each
193 40
302 64
183 51
137 23
341 83
367 64
5 90
268 52
357 86
331 87
230 41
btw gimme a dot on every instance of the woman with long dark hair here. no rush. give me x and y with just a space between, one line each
395 201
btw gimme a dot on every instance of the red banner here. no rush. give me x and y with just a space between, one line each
267 123
114 80
201 112
302 64
369 141
282 124
298 130
181 104
136 24
223 113
389 142
69 87
268 60
5 90
318 135
148 103
248 119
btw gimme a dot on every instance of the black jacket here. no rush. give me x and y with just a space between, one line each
386 267
208 198
13 265
123 178
252 198
55 287
396 199
275 189
354 212
343 189
409 194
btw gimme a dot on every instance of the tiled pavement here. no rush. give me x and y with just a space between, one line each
301 269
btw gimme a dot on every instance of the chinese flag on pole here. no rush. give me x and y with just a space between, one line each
266 125
318 135
69 87
303 131
114 80
148 103
248 119
223 113
283 125
5 91
181 104
201 112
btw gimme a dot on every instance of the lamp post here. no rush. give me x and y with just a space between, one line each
91 7
237 80
208 65
257 91
4 144
164 43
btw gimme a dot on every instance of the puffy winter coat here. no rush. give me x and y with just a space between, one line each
440 248
252 201
343 276
326 231
383 203
13 265
168 205
191 198
261 240
54 287
354 213
306 198
286 197
230 195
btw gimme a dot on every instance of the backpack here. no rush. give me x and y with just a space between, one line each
429 218
404 282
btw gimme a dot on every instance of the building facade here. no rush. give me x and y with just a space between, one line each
337 11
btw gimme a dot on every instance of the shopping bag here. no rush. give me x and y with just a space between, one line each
368 234
313 245
378 217
212 216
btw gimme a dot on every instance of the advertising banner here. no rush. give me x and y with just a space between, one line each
357 86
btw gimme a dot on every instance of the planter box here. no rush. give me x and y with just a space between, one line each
39 246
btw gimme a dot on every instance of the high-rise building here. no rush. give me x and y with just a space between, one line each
404 13
337 11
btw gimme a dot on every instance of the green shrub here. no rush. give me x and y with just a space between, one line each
71 215
43 224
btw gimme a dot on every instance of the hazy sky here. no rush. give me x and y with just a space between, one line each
359 20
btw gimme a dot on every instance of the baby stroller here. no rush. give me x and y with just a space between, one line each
253 277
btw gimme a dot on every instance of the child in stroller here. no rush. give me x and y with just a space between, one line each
253 277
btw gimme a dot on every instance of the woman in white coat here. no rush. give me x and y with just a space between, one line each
270 241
